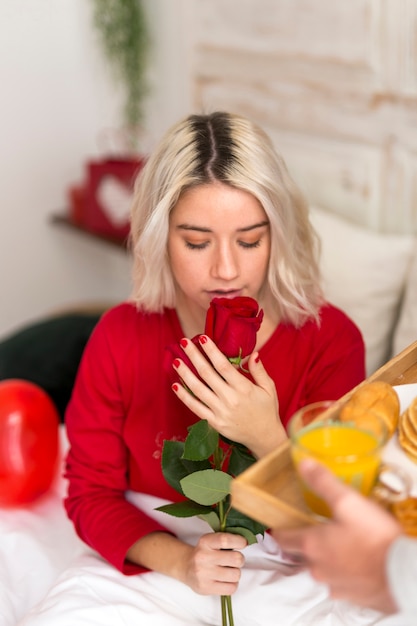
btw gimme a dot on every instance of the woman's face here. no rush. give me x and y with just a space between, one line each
219 246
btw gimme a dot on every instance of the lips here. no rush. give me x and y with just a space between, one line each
225 294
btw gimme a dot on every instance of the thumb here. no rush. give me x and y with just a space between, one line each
324 483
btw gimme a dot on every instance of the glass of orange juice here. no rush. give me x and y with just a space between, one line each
351 451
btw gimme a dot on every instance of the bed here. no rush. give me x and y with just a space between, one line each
38 544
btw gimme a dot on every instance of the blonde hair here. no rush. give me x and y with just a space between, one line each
228 148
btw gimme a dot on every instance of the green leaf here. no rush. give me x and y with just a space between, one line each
212 520
195 466
236 519
201 442
174 467
184 509
236 530
240 460
207 486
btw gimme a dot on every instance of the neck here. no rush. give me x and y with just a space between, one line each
267 328
192 322
269 322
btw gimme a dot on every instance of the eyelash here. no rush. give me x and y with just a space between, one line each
243 244
195 246
255 244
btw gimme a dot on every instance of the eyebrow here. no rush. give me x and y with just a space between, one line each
202 229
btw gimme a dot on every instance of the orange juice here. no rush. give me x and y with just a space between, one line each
350 453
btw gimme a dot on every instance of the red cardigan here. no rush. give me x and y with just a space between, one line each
122 408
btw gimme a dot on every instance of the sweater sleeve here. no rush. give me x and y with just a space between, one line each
97 462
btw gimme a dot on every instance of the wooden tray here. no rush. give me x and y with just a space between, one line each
269 491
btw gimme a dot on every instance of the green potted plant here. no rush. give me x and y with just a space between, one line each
123 37
100 204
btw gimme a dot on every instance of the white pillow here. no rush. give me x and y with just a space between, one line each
364 274
406 331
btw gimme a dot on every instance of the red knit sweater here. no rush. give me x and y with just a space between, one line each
122 409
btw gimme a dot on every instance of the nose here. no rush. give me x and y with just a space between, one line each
225 264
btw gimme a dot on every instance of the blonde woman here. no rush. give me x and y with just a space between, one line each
215 213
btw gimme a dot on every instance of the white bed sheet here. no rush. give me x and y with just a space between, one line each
38 544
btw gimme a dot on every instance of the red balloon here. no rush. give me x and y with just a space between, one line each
29 442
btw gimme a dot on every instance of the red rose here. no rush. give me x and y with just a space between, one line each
232 324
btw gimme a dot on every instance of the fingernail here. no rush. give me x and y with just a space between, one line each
175 387
176 363
202 339
184 343
257 358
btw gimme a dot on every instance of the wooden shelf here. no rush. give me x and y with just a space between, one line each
66 222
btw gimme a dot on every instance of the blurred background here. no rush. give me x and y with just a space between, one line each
334 83
59 107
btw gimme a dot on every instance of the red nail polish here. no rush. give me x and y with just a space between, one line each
175 387
184 343
176 363
257 359
202 339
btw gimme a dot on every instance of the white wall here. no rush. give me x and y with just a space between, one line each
335 86
57 98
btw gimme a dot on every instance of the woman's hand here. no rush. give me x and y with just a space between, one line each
236 407
213 566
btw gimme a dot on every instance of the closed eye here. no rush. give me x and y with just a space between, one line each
196 246
254 244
